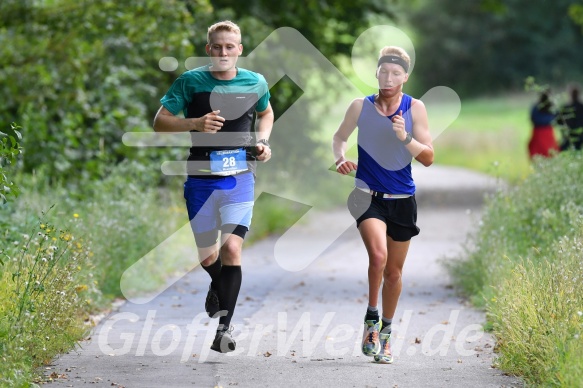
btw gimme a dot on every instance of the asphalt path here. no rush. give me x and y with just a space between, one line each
299 322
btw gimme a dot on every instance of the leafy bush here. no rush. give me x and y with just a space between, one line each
80 75
9 151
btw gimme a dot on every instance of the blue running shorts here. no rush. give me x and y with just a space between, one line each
216 202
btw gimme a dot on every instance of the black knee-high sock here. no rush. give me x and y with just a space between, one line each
228 290
214 270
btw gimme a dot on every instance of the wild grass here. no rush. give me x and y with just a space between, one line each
45 289
525 268
537 317
124 216
58 267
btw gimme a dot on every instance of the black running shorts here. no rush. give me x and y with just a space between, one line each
400 215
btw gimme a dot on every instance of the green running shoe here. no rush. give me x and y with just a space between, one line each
385 356
371 345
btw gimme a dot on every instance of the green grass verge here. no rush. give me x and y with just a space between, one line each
524 266
58 267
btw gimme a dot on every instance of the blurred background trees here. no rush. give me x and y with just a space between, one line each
79 74
76 75
483 47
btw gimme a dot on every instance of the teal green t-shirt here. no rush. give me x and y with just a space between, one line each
196 92
199 82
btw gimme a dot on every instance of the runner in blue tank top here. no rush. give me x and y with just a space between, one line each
392 130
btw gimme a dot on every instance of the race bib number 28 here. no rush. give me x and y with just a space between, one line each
228 162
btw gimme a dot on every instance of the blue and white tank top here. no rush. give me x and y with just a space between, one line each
384 164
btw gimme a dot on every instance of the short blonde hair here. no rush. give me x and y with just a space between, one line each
396 51
225 25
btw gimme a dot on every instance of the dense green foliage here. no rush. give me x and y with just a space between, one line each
10 149
525 266
80 74
332 26
490 46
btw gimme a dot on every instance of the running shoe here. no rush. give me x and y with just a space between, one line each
224 342
211 305
385 356
371 345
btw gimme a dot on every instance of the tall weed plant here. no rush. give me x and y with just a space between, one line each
56 271
538 317
45 283
524 266
124 216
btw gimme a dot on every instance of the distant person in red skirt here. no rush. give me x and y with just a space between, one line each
543 140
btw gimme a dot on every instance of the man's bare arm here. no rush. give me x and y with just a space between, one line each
165 121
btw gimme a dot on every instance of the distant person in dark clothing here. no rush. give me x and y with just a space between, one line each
571 117
542 141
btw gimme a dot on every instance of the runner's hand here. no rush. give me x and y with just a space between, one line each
344 166
210 123
399 126
263 152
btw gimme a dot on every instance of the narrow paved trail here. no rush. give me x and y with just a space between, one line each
303 328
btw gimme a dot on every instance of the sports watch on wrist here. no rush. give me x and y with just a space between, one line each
408 138
264 142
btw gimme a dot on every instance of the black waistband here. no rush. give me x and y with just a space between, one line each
208 175
197 153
